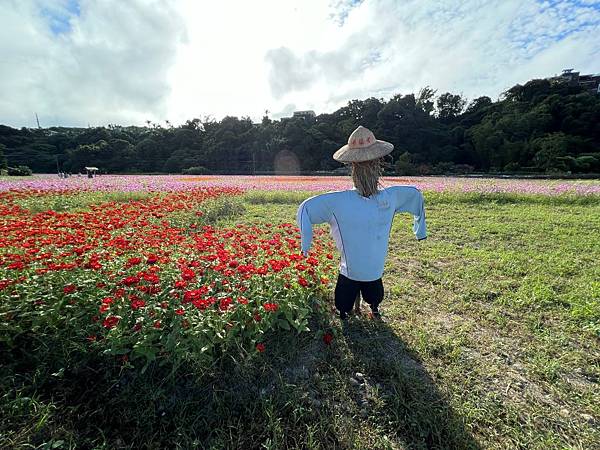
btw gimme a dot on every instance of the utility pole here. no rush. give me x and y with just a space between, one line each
37 119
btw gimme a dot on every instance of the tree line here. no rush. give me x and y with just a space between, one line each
538 127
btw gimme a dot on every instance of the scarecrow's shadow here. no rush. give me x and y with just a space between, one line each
298 383
395 390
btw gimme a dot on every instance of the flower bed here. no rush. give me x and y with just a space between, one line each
161 183
148 279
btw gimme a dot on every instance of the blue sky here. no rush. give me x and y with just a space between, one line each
60 17
79 62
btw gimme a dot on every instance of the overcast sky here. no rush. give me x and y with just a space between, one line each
95 62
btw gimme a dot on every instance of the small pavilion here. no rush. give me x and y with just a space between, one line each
91 171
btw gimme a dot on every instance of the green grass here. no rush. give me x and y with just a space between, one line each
214 212
491 341
277 197
77 201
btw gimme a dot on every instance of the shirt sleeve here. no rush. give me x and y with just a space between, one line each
312 211
410 199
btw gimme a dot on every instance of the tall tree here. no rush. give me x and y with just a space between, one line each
3 163
425 99
449 106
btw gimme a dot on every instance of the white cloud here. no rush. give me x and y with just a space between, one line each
125 62
110 67
469 47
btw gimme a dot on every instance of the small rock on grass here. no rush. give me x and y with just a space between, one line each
588 418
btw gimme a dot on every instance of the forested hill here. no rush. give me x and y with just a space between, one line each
537 127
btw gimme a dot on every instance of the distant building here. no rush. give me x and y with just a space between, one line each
91 171
590 82
304 114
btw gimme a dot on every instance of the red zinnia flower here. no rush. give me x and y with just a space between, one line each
187 274
271 307
224 304
151 278
110 322
312 261
133 261
130 281
137 303
260 347
69 288
302 282
327 338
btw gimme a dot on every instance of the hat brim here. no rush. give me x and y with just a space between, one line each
374 151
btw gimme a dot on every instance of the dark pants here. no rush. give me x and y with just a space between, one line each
346 291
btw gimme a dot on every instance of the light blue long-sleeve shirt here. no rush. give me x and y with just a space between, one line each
361 226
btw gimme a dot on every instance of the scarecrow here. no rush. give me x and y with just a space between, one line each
361 221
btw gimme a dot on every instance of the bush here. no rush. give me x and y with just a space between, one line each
512 167
462 169
586 163
424 169
19 171
198 170
443 168
405 166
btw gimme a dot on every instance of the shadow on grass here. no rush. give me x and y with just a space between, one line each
299 393
397 392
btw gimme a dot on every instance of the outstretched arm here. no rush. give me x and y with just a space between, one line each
410 199
312 211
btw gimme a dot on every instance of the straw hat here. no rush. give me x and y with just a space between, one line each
362 146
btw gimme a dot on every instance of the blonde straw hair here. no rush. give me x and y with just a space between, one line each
365 176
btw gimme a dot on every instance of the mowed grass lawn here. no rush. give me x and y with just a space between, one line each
491 340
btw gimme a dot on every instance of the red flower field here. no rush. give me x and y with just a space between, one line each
148 279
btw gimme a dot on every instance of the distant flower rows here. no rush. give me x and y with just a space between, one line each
160 183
